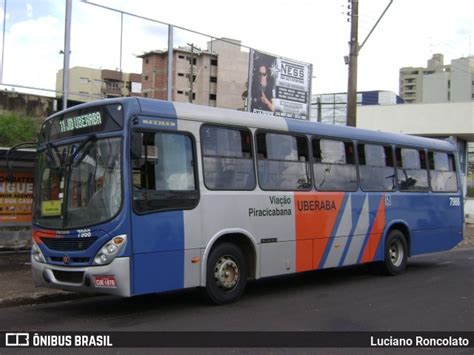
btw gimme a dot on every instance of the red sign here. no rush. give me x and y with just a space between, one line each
16 197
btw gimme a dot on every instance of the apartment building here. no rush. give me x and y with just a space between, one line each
215 76
438 82
88 84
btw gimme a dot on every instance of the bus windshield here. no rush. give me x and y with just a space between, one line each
79 183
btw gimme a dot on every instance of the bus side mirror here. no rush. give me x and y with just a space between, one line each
136 145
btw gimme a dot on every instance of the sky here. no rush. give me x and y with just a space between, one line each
311 31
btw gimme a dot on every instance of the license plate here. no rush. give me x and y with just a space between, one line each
105 281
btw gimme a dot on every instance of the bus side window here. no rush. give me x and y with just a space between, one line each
283 162
227 158
442 172
376 168
333 166
411 175
163 171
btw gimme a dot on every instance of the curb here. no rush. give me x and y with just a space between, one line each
39 298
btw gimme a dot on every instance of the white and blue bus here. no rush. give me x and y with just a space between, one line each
137 196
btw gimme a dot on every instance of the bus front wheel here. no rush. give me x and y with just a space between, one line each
226 275
396 253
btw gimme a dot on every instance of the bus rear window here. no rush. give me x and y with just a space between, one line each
442 172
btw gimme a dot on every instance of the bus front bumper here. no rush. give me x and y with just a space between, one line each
113 278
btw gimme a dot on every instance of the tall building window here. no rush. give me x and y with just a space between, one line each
214 61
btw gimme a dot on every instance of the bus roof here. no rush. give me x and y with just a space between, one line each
207 114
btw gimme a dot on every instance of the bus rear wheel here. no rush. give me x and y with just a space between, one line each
226 275
396 253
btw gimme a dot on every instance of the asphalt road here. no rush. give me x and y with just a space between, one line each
435 293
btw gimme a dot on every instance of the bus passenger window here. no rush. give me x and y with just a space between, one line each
411 170
162 171
283 162
442 172
376 168
227 158
334 167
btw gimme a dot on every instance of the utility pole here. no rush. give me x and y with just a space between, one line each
353 54
191 73
169 86
354 50
67 52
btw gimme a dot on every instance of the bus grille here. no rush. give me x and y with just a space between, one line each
59 259
69 276
68 244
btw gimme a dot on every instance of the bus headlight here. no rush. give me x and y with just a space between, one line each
37 254
110 250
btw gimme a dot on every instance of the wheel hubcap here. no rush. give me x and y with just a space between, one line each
396 253
226 272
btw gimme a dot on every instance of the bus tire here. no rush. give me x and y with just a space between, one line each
395 254
226 275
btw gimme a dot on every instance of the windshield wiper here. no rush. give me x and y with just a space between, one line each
87 143
53 155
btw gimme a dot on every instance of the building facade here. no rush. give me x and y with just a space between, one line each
332 108
88 84
214 77
438 82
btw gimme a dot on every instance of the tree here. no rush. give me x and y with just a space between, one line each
16 129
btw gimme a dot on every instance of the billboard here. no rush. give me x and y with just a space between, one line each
16 198
279 86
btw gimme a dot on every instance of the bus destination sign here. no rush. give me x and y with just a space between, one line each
100 118
68 124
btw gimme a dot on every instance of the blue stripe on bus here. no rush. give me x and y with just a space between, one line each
374 201
358 200
334 230
158 238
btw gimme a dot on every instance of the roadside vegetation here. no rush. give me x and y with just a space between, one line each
16 129
470 192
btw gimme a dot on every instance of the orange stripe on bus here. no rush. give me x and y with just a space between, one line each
43 234
375 233
316 214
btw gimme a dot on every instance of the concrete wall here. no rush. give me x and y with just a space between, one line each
441 119
462 71
232 73
15 239
27 105
435 87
